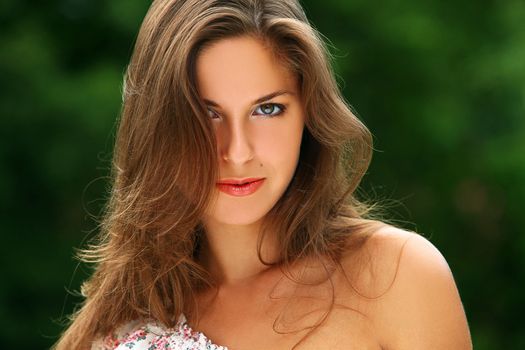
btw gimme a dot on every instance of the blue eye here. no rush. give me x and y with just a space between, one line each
270 109
265 109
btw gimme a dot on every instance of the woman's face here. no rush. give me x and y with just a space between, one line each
255 108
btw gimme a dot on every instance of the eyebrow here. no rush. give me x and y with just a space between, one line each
257 101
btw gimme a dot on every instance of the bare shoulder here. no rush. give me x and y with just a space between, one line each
371 268
416 301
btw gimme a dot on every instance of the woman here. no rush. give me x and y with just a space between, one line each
232 221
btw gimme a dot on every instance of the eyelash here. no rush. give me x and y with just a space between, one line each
279 106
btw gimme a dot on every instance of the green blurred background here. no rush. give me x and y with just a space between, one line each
440 84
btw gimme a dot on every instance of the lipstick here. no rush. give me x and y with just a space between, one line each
240 187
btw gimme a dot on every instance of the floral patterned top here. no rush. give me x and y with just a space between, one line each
153 335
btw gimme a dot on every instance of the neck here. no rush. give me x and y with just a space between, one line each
229 252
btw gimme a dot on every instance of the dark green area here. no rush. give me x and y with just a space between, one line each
440 84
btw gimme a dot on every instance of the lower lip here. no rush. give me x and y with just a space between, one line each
240 190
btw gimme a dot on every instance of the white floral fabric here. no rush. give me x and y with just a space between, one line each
155 336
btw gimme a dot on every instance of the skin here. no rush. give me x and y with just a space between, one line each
398 290
254 140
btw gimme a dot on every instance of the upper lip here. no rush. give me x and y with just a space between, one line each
233 181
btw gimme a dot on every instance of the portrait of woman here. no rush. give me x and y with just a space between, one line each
233 221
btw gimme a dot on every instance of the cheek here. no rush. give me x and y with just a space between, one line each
279 144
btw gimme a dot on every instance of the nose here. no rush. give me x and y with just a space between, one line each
235 143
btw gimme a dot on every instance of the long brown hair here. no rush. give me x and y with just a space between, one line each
165 165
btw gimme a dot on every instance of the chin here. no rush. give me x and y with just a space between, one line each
228 210
239 217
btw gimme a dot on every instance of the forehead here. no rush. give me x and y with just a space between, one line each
240 68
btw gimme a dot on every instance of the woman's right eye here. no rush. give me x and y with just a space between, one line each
212 113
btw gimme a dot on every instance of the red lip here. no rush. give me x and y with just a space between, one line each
238 181
240 188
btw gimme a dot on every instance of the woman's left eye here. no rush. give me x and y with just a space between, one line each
270 109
